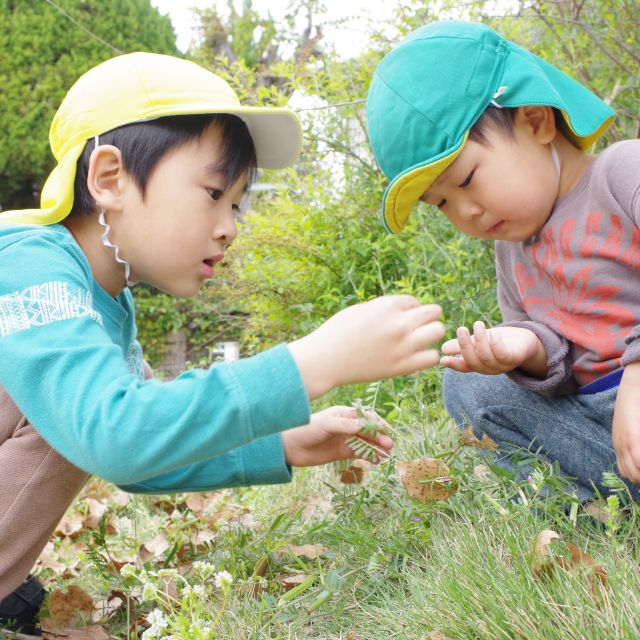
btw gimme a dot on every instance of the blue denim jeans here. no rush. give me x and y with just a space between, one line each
573 430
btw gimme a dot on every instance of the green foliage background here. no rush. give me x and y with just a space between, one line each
42 53
312 242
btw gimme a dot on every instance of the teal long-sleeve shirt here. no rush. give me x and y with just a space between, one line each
70 361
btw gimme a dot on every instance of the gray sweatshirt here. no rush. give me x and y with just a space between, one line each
576 284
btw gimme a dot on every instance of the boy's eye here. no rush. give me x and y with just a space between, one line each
467 182
235 208
216 194
441 203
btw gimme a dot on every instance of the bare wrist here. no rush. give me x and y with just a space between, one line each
309 361
536 364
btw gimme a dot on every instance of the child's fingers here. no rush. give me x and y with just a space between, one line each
498 347
457 364
467 349
451 347
342 426
424 314
482 345
426 334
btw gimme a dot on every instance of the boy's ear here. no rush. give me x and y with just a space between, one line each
106 177
541 120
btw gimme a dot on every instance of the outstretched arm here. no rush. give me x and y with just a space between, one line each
494 351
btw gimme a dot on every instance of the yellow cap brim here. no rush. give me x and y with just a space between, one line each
403 193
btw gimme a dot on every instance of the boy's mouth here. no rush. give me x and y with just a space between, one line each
215 259
496 228
209 263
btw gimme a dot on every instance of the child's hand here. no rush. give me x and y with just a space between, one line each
379 339
626 424
495 351
323 439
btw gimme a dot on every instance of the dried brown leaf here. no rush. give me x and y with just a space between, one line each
481 471
92 632
469 439
202 537
427 479
70 525
311 551
288 582
355 473
96 510
154 548
71 606
314 506
579 557
543 541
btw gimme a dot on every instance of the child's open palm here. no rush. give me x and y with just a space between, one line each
494 351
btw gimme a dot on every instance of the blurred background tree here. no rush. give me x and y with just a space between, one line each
44 49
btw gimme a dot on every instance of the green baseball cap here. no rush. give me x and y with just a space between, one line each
430 90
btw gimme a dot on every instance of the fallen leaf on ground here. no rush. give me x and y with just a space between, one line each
579 557
427 479
202 537
70 525
481 471
543 563
311 551
543 541
288 582
96 510
355 473
92 632
314 506
469 439
69 607
596 511
154 548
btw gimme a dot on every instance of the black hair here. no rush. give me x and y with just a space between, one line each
144 144
502 121
493 120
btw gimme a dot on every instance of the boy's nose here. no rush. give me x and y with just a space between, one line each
227 229
468 209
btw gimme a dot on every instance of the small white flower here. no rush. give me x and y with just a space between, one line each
128 571
223 579
158 623
203 569
198 591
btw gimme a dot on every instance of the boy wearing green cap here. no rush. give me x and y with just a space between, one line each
498 140
154 154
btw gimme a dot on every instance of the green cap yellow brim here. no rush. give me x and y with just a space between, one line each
402 194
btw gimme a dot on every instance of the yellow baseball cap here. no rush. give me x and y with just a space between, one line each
138 87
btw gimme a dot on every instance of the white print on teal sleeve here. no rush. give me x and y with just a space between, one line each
44 304
135 360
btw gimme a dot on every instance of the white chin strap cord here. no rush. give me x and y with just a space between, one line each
105 237
556 159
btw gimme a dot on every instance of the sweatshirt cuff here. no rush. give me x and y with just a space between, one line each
559 379
275 398
264 463
632 352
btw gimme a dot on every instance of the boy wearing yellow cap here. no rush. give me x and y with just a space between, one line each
498 140
154 154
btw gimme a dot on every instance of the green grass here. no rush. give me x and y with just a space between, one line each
393 568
